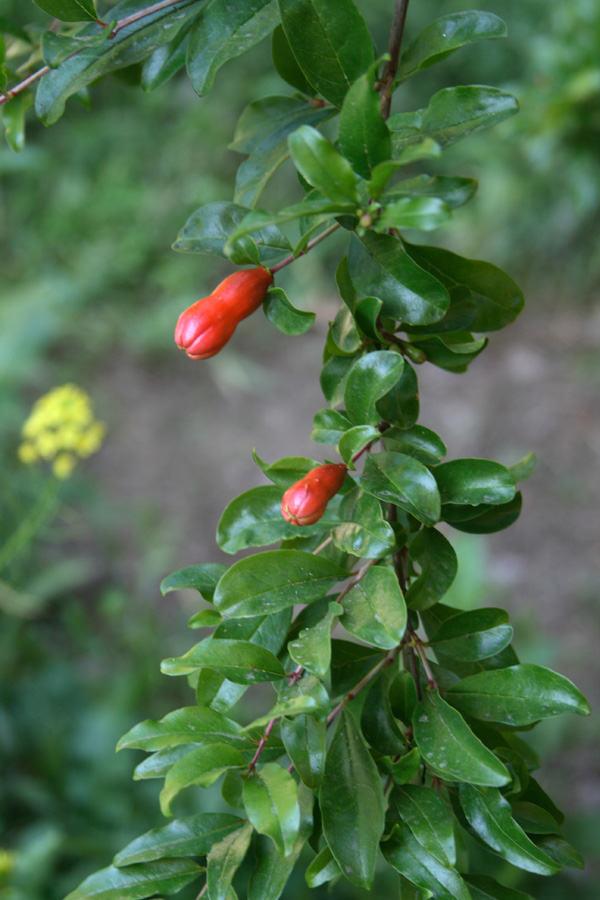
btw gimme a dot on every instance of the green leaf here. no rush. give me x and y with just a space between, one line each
224 860
380 267
203 767
452 114
271 802
445 35
280 312
453 190
286 471
483 519
428 818
286 65
532 818
419 442
354 440
352 805
304 738
331 43
437 560
56 48
476 634
491 819
137 881
402 480
323 868
370 378
312 648
518 695
254 519
374 609
497 299
206 618
349 663
306 696
157 764
343 334
422 213
239 661
333 379
449 747
470 482
129 46
560 851
319 162
522 470
329 426
262 131
203 578
403 696
403 769
274 580
400 406
189 725
363 135
482 887
69 10
226 29
165 61
437 878
377 722
13 120
192 836
425 149
364 533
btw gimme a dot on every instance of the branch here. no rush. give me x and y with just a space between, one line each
391 67
369 677
309 246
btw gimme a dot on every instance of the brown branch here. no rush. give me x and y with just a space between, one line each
309 246
391 67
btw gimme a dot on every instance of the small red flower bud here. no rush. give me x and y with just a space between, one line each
305 501
205 327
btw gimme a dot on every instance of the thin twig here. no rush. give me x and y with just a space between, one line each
421 651
309 246
135 17
359 577
203 890
369 677
391 67
322 546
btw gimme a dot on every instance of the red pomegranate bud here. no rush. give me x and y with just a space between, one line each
205 327
305 501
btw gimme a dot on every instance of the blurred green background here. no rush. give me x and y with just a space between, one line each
90 293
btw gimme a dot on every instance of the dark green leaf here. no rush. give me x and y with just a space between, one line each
453 190
319 162
329 425
449 747
425 149
422 213
193 836
280 312
330 41
473 635
445 35
471 482
438 563
69 10
404 769
400 479
370 378
190 725
349 663
224 860
286 471
438 879
482 887
352 806
210 227
380 729
13 120
161 65
374 609
363 135
355 439
323 868
274 580
285 63
312 648
533 819
518 695
304 739
400 406
137 881
225 30
333 378
239 661
483 519
490 817
364 533
380 267
203 578
428 818
271 802
560 851
403 697
56 48
418 441
203 767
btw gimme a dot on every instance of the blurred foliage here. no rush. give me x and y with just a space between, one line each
88 210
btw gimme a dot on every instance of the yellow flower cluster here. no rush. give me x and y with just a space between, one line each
60 429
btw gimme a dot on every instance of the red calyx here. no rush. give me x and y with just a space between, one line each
305 501
205 327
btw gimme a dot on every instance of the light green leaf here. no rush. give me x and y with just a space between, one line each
322 869
137 881
312 648
304 739
271 802
453 190
400 479
240 661
203 578
437 560
192 836
319 162
370 378
333 379
365 533
189 725
425 149
224 860
329 425
165 61
354 440
403 769
203 767
422 213
307 696
280 312
206 618
524 468
363 135
374 609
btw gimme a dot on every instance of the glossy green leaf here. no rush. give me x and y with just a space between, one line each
286 65
203 578
418 441
363 135
453 190
522 470
473 635
344 334
329 426
452 352
560 851
532 818
224 860
482 887
280 312
379 728
322 869
307 696
425 149
490 817
366 314
400 479
206 618
445 35
286 471
271 802
157 764
370 378
13 120
239 661
421 213
226 29
274 580
470 482
312 648
428 818
349 663
400 406
355 439
189 725
330 41
452 114
375 611
428 873
192 836
483 519
352 806
165 61
498 299
403 696
203 767
69 10
380 267
304 739
437 560
130 45
333 379
319 162
57 48
403 769
518 695
364 533
137 881
449 747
